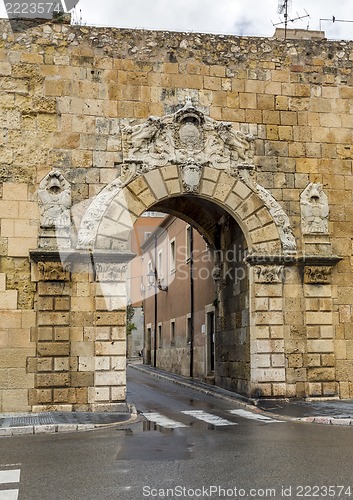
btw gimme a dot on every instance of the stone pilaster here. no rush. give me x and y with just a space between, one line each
267 350
80 362
51 364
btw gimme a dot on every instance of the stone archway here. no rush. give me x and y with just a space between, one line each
189 155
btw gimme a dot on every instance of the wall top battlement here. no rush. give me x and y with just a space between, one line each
148 45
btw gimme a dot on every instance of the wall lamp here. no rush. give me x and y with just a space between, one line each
152 279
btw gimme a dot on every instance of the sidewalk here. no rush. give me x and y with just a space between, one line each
332 412
14 424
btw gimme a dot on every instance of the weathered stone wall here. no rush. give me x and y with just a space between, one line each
232 333
66 91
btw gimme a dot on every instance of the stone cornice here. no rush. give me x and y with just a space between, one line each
318 260
108 256
290 260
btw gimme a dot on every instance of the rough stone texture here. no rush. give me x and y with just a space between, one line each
67 92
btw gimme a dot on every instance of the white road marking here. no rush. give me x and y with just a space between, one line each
253 416
159 419
208 417
10 476
9 495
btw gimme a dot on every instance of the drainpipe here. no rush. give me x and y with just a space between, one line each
192 302
155 304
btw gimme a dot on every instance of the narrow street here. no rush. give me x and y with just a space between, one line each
192 444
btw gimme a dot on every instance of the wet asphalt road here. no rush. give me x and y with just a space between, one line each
144 459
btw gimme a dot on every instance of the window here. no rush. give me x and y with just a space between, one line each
188 243
147 235
160 265
172 332
149 271
160 335
172 256
188 329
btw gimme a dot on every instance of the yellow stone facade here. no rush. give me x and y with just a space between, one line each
67 92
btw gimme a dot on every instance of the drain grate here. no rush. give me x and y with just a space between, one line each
39 419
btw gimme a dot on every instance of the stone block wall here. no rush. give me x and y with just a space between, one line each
66 94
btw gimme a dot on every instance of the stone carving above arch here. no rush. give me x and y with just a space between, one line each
191 175
314 210
184 138
191 141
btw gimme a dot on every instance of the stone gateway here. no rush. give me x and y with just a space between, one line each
247 139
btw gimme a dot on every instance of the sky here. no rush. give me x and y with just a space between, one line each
236 17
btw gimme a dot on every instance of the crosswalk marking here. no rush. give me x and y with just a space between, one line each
9 495
9 477
159 419
208 417
253 416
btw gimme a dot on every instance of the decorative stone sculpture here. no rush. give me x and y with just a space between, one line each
317 274
314 210
178 138
240 144
141 135
54 201
191 176
54 271
269 274
54 198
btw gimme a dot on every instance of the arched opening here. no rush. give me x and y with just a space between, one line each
193 284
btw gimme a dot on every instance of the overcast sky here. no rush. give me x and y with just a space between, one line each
238 17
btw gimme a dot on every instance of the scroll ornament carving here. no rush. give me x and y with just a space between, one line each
314 210
268 274
93 216
279 216
317 274
54 201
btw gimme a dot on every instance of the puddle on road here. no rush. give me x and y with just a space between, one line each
154 445
152 426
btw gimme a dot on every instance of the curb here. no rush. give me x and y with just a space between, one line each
327 420
62 428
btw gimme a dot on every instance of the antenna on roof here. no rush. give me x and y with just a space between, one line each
284 7
334 20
